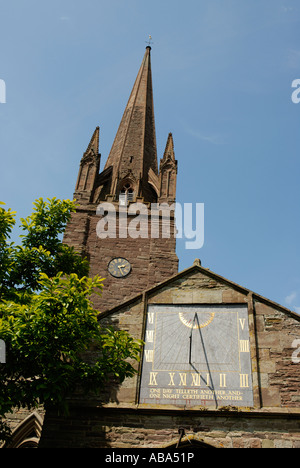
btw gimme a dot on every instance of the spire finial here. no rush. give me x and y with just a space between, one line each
149 42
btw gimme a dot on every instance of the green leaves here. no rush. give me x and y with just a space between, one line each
41 249
7 221
46 223
46 338
47 320
117 347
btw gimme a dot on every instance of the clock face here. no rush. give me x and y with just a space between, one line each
197 355
119 267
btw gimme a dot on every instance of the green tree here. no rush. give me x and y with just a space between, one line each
41 249
7 222
47 320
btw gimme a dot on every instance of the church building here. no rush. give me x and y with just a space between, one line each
220 366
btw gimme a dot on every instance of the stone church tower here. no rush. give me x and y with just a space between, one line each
131 175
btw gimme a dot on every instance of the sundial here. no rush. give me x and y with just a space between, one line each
197 355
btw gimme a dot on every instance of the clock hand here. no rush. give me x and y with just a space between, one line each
120 267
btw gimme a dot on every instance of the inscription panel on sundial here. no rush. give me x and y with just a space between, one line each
197 355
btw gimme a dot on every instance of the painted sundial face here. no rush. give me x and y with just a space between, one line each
197 355
195 320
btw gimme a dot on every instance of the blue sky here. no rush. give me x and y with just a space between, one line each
222 75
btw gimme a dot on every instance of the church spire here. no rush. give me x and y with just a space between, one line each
134 152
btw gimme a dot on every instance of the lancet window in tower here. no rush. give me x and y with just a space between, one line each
126 193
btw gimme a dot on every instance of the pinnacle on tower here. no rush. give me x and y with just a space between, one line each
89 169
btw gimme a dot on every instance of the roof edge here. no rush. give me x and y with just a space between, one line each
207 272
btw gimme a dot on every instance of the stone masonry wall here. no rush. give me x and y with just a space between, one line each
106 428
152 260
